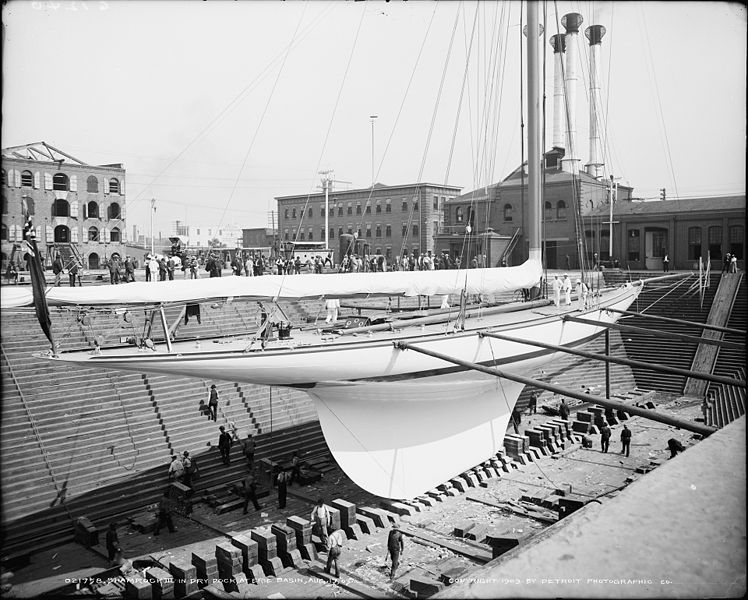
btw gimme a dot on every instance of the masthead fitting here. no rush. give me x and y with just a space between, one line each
572 22
594 34
558 43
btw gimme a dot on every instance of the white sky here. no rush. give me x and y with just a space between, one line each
195 97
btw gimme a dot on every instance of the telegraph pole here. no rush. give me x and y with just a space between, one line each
326 181
613 196
153 212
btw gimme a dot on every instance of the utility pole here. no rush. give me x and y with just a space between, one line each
612 196
372 117
153 212
326 181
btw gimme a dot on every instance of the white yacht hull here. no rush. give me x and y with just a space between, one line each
397 421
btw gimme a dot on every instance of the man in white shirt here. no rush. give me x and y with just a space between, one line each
334 548
332 305
566 286
582 291
556 291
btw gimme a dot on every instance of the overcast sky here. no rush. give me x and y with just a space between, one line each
215 108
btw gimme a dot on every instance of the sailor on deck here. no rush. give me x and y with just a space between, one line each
556 291
582 292
566 285
332 305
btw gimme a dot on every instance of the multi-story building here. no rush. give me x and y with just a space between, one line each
391 220
498 217
200 236
77 209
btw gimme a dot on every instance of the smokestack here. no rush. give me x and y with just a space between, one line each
558 43
595 35
571 22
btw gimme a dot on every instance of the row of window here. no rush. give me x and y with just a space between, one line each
63 208
714 240
309 234
291 213
60 182
508 213
61 234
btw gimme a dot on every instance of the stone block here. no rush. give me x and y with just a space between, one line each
257 573
461 528
448 576
399 507
390 517
308 551
85 533
436 495
347 512
581 426
162 583
228 554
267 548
477 533
479 475
272 567
452 492
302 528
459 484
376 514
563 489
470 479
354 532
185 578
206 566
622 416
424 587
503 543
248 548
534 453
584 416
366 523
285 537
138 588
426 501
334 517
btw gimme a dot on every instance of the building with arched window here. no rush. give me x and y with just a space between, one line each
685 229
77 209
497 215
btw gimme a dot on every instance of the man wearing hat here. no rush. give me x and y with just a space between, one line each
556 291
395 547
582 291
566 286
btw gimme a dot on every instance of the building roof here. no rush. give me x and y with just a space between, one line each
686 205
376 186
41 151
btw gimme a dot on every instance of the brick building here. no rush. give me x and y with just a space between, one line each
391 219
686 229
77 209
497 215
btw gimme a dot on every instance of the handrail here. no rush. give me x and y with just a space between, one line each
45 454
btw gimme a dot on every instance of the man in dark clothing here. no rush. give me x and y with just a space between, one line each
625 440
164 514
224 445
112 541
674 446
57 268
170 269
213 402
395 547
73 274
726 263
295 467
282 480
533 406
516 419
605 437
250 492
190 468
162 270
563 410
248 448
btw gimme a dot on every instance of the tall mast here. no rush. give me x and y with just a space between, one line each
534 131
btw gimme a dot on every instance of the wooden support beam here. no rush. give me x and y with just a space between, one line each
606 402
657 332
621 361
681 321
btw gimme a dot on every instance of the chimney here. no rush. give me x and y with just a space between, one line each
595 35
571 22
558 43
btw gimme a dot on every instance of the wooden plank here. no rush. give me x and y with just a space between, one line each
472 552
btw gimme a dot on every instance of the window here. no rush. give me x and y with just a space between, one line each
301 236
93 234
311 233
436 227
368 209
388 230
459 215
379 206
309 212
471 216
332 233
321 210
285 234
332 210
377 231
92 184
114 235
415 228
322 233
415 204
62 234
114 186
404 206
60 208
358 209
388 206
436 202
4 181
633 245
368 231
350 229
350 208
736 240
60 182
715 242
388 254
198 232
561 210
3 232
27 179
340 231
27 206
507 212
694 243
285 214
405 230
293 213
114 213
358 232
340 210
548 211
